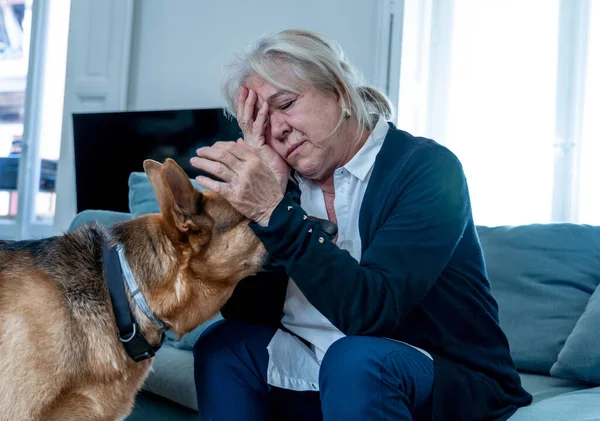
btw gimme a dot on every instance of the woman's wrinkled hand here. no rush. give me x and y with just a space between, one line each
248 183
254 134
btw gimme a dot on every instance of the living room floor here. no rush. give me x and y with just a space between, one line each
150 407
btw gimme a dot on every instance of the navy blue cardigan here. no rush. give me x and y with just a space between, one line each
421 278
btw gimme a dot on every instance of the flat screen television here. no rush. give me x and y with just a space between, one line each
109 146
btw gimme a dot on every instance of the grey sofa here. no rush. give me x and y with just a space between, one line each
545 278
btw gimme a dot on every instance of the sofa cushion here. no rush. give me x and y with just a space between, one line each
542 277
543 387
581 405
172 376
580 357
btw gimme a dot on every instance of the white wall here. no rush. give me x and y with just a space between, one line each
180 46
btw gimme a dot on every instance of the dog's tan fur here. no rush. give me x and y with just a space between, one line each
60 357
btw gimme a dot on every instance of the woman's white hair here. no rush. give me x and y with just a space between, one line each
292 58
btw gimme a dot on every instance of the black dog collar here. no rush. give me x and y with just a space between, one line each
130 335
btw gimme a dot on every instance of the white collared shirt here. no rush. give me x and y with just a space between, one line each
292 364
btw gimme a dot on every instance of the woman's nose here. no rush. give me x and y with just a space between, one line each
279 127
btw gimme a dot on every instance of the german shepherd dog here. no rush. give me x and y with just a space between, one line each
61 354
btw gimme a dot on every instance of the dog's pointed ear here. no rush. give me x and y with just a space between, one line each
188 201
164 198
178 200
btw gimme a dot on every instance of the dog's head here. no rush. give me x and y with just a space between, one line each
211 241
216 237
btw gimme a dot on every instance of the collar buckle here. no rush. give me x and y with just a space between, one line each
137 346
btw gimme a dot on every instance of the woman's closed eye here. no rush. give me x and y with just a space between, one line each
287 105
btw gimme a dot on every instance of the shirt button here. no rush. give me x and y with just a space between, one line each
321 240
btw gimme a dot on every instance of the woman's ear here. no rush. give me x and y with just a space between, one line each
342 101
345 110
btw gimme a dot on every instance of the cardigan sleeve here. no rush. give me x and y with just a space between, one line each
407 253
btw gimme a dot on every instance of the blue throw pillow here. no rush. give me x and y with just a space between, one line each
142 201
580 357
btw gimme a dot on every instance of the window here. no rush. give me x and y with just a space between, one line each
589 158
33 46
15 29
508 86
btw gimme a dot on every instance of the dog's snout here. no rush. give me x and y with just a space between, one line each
269 265
268 260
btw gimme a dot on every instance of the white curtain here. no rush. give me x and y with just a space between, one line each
511 87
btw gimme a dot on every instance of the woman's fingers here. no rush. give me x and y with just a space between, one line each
222 189
262 117
247 182
242 95
215 168
217 161
220 151
248 112
258 127
232 155
235 149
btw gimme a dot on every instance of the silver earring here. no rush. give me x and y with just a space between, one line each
346 112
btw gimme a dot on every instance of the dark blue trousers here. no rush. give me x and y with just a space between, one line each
361 378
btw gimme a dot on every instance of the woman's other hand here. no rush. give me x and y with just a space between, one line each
248 183
254 134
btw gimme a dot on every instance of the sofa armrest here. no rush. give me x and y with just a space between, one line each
103 217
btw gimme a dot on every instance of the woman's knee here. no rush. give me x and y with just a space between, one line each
363 359
345 359
367 378
344 350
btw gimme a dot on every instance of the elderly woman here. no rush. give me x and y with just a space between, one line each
391 317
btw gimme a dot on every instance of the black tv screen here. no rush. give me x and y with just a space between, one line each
109 146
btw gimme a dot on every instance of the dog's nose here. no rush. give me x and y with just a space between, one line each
269 265
268 261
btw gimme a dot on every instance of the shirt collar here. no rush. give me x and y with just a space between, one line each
361 163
